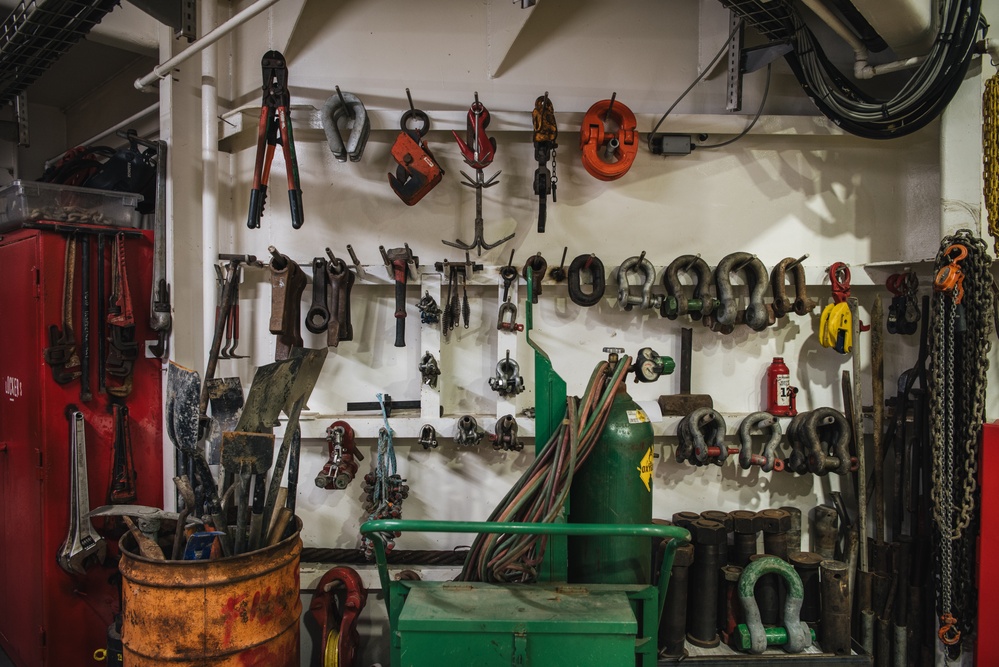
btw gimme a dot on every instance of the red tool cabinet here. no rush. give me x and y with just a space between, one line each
47 616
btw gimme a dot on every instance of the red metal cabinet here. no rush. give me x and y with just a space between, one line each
47 616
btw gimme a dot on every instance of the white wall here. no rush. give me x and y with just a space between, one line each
796 187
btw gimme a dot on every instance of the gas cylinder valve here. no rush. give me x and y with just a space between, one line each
508 381
649 366
339 470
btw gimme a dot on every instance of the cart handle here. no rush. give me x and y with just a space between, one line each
676 537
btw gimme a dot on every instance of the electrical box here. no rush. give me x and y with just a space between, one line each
47 616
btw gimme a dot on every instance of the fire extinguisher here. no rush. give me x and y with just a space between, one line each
780 393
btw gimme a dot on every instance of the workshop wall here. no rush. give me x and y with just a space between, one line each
793 186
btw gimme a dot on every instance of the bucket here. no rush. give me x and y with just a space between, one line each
242 610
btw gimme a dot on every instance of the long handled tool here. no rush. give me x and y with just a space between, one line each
247 454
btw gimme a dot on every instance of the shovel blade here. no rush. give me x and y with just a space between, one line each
183 394
269 393
247 453
225 395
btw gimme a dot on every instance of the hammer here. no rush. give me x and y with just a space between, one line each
397 262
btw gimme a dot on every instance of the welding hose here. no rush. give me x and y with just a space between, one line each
540 494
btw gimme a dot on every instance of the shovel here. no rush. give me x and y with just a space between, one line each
225 395
246 454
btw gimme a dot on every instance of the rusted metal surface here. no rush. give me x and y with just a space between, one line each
231 612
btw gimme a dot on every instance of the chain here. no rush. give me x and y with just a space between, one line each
990 154
555 177
959 349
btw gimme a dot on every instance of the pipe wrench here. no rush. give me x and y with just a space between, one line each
82 542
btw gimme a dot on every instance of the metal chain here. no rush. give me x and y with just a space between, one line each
958 366
990 154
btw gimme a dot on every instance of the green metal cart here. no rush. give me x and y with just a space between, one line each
440 624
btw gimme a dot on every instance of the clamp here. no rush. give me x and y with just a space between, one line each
429 369
545 133
676 303
757 315
760 422
802 305
505 437
507 381
836 321
274 129
341 467
608 155
345 109
340 638
640 265
418 171
752 636
467 431
701 437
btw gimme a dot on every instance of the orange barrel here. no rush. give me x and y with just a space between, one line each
241 611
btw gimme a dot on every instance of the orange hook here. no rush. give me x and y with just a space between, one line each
949 634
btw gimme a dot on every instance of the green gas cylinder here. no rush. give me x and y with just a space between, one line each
614 486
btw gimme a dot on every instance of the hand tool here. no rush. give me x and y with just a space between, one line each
746 527
505 435
246 454
701 438
390 405
317 318
638 264
825 528
122 490
806 564
537 264
186 492
478 150
61 353
341 467
102 306
467 432
160 317
144 515
341 279
752 636
507 382
287 284
275 128
545 134
676 303
428 437
558 273
608 139
225 395
123 349
338 620
201 545
397 262
673 621
346 110
82 542
760 422
279 502
757 315
836 606
684 403
147 545
429 369
228 350
707 537
85 394
595 268
417 171
781 396
782 305
903 312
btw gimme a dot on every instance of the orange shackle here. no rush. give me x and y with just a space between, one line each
608 155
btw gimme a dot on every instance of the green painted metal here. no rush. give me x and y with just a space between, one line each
797 635
550 392
614 486
775 636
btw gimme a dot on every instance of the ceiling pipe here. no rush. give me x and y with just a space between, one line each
148 111
197 46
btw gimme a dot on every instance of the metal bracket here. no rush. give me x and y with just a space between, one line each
181 15
734 102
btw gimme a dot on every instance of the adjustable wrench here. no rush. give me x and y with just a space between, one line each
82 540
61 354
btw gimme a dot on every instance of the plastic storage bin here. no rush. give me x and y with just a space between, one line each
28 201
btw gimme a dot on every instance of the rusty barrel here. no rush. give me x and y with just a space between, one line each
242 610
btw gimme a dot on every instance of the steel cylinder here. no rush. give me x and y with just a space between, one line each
836 603
673 624
767 595
229 612
723 556
733 604
684 519
746 527
806 564
776 524
702 612
614 486
825 531
794 532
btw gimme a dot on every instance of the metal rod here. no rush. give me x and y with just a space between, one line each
346 107
797 262
410 98
610 106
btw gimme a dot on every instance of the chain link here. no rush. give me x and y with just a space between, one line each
990 153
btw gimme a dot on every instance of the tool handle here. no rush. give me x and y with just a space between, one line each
399 272
258 197
297 212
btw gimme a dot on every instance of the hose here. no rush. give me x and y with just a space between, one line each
540 494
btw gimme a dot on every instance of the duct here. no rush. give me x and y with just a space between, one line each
908 26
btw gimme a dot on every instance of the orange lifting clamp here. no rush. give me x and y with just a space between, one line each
609 153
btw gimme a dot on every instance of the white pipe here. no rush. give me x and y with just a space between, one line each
148 111
210 178
991 47
206 40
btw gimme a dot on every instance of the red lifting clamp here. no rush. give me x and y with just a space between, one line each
418 171
609 153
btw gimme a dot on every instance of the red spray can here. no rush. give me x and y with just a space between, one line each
780 393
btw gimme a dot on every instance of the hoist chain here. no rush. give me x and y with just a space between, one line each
960 333
990 154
